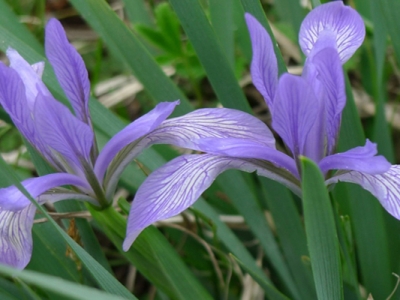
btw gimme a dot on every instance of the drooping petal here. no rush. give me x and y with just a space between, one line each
29 76
337 18
16 236
385 187
63 133
69 68
11 198
131 133
295 112
241 148
361 159
264 66
330 76
177 185
199 124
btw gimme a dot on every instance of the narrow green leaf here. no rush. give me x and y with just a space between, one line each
366 214
210 53
58 286
321 233
112 30
267 287
291 235
390 11
291 12
138 12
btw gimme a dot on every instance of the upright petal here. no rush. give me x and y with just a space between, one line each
13 100
11 198
361 159
264 66
134 131
295 112
330 76
385 187
67 137
69 68
16 236
337 18
29 76
177 185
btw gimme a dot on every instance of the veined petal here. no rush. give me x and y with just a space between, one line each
296 109
63 133
29 76
183 131
11 198
335 17
264 66
212 123
385 187
241 148
177 185
361 159
16 236
330 75
69 68
134 131
13 100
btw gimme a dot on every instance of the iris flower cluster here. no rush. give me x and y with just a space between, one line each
306 114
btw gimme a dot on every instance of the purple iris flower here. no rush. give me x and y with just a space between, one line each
67 140
306 113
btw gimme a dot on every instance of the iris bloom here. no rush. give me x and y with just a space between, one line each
67 141
306 113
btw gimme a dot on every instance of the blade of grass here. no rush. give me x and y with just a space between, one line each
321 233
219 71
123 43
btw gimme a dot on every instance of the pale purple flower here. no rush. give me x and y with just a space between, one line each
67 140
306 113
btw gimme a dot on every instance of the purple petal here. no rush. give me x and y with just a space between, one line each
343 21
69 68
16 236
13 100
134 131
330 75
177 185
361 159
295 115
63 133
385 187
29 76
241 148
264 66
199 124
11 198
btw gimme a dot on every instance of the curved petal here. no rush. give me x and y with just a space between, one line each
62 133
134 131
69 68
385 187
295 112
264 66
16 236
177 185
361 159
330 75
241 148
337 18
29 76
199 124
11 198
